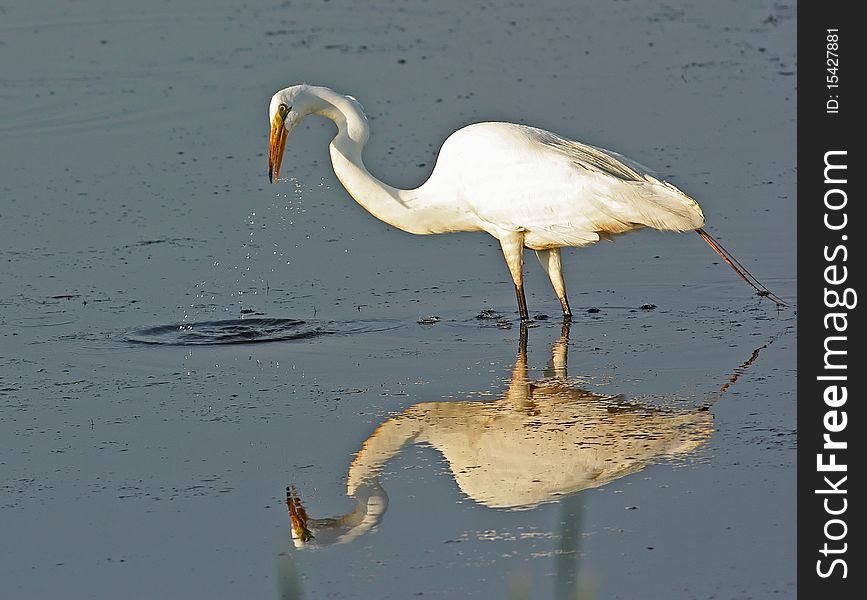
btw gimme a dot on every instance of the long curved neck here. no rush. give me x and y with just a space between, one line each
410 210
380 199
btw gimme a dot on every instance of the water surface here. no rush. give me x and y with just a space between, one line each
649 455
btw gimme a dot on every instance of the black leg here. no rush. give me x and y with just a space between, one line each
522 303
567 312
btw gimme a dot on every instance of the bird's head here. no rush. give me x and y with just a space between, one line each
288 107
284 113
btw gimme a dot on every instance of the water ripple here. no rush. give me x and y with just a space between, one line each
248 331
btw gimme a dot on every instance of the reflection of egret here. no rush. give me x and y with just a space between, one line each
543 439
370 504
527 187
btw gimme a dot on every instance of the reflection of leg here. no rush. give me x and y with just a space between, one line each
520 374
550 260
513 250
559 352
522 341
518 393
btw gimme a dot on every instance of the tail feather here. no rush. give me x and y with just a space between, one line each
738 268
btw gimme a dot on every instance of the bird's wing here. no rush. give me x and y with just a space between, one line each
561 193
595 160
624 193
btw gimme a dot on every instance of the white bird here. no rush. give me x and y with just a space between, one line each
527 187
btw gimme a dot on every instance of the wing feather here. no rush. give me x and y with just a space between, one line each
627 195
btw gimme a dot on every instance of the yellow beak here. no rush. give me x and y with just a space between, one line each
276 146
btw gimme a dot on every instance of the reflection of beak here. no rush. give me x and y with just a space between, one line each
300 534
276 146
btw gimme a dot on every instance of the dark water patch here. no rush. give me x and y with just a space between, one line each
726 289
249 331
53 319
185 242
488 314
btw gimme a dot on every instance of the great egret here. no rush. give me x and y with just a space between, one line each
527 187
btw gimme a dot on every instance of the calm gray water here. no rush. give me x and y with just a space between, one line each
181 341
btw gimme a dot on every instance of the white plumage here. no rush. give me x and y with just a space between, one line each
527 187
556 191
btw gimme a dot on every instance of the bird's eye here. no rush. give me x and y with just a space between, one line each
282 109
